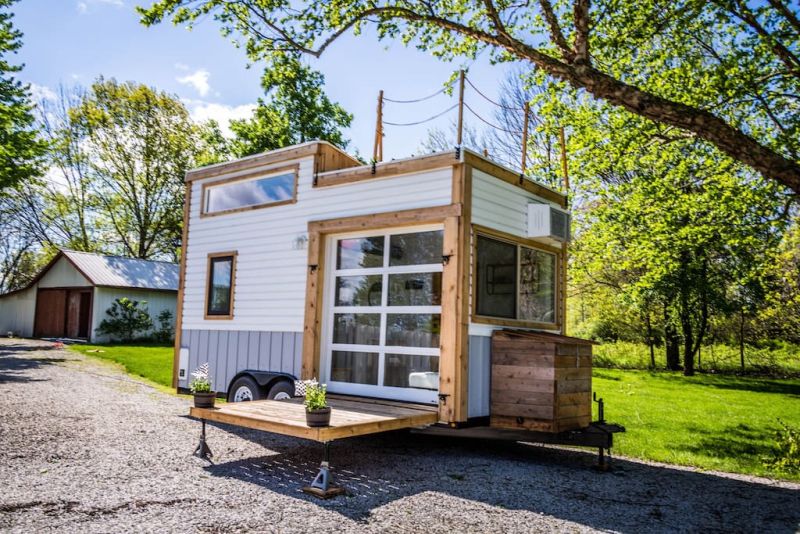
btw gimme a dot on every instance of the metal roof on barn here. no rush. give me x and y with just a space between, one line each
116 271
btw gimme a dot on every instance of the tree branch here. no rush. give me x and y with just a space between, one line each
556 35
581 41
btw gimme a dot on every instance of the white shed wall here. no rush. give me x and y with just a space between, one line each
63 274
270 268
157 301
17 312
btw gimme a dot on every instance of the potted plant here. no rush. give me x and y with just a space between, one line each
318 413
201 388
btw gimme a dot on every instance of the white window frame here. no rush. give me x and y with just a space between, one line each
329 296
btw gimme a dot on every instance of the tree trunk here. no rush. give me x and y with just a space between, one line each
688 346
741 338
649 325
671 344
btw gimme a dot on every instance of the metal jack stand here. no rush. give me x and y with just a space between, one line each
602 464
203 451
323 486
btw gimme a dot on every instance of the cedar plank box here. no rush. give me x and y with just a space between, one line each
540 381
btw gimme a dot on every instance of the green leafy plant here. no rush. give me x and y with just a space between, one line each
201 380
315 398
126 318
787 452
165 331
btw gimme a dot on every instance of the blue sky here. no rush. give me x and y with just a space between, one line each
74 41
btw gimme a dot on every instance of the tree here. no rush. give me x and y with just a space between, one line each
20 149
688 64
298 110
134 144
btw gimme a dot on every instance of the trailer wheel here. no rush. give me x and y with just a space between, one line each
245 389
281 390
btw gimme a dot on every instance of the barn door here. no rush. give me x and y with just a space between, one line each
50 318
78 306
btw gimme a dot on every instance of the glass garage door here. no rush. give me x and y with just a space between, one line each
383 316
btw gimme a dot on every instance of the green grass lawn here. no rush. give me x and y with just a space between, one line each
723 423
153 362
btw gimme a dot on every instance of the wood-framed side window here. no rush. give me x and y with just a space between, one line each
251 191
220 285
514 283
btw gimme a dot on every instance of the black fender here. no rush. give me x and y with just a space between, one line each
265 379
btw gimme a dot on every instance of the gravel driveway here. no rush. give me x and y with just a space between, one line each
84 447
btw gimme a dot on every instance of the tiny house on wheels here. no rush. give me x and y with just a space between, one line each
69 297
426 291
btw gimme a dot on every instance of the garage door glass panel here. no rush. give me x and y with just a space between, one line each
413 330
415 289
354 367
357 328
359 253
419 248
359 290
412 371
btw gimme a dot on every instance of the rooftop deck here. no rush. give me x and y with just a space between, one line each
351 416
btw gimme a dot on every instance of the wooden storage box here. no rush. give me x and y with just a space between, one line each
540 382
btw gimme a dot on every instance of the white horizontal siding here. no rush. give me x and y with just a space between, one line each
17 312
63 274
157 301
270 271
499 205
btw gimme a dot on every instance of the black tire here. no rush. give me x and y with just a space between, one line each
281 389
245 389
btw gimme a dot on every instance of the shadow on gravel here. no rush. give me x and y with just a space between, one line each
13 369
381 469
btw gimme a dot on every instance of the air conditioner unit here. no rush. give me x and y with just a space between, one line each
548 222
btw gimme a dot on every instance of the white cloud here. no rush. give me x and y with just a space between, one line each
198 80
42 92
83 5
201 111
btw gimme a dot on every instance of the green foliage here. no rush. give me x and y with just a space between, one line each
778 359
726 71
166 330
298 110
152 362
315 397
201 380
786 458
723 423
126 318
20 149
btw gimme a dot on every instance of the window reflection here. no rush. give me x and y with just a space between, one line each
219 290
537 299
357 328
415 289
497 278
413 329
420 248
359 290
407 370
359 253
249 193
354 367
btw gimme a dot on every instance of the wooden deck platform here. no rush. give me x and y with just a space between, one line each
351 416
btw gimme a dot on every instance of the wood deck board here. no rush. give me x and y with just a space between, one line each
350 417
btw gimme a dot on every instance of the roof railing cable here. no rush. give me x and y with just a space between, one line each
451 108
